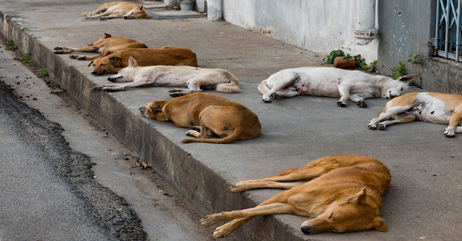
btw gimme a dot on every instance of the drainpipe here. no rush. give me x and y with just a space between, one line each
366 31
214 10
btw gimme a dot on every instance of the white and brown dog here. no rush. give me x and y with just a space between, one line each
432 107
332 82
196 79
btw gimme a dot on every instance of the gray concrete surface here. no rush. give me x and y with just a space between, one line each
425 194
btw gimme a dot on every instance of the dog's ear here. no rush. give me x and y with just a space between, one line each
156 108
408 78
91 62
115 61
358 198
106 35
379 224
132 62
140 7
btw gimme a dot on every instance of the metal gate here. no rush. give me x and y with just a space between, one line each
447 33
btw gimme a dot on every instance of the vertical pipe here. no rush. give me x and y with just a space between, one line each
446 35
457 30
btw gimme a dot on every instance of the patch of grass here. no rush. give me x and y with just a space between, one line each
399 71
41 73
414 59
27 59
10 45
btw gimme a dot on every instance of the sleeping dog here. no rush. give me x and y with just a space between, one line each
425 106
332 82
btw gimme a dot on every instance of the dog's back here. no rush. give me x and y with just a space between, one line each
162 56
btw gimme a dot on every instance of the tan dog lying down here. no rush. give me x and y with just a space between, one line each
123 10
216 116
166 55
104 46
342 193
425 106
194 78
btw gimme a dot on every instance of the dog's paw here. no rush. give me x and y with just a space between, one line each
341 104
58 48
449 133
266 100
97 89
221 232
361 104
372 127
208 220
73 56
235 189
193 133
176 94
382 127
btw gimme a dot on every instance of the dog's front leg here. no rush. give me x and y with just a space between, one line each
228 228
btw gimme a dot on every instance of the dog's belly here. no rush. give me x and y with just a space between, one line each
431 111
317 86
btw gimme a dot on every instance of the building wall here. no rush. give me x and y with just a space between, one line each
317 25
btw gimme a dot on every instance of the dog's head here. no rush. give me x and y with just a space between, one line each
154 110
355 213
126 74
394 88
105 65
136 13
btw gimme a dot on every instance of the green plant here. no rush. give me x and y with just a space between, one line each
27 59
329 58
10 45
399 71
414 59
43 72
370 67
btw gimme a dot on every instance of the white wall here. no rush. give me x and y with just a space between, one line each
316 25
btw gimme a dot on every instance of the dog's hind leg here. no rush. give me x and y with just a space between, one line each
283 81
359 100
344 91
255 184
454 121
229 227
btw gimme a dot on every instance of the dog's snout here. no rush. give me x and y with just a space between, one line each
306 229
142 110
392 96
94 73
125 17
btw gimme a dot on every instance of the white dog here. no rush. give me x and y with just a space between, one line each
332 82
196 79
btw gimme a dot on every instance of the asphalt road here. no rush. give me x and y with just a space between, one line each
50 187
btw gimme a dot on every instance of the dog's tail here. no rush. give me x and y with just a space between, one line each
231 87
236 135
263 87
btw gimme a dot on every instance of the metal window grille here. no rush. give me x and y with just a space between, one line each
447 33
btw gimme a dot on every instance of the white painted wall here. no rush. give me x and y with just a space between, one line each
316 25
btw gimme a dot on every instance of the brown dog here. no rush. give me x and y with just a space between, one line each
166 55
123 10
344 195
216 115
104 46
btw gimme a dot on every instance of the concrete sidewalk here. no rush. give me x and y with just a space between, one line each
424 198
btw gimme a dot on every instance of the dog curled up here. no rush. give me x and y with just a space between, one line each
196 79
111 10
342 193
431 107
332 82
215 116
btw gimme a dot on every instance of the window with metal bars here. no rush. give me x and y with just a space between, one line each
447 33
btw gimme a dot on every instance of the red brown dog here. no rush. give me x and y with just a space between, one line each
342 193
111 64
216 116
